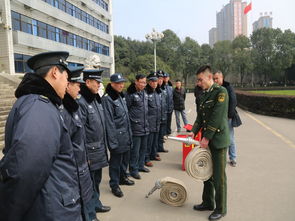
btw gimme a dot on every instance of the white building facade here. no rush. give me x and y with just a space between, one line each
81 27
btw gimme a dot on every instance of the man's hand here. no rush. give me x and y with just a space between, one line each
204 142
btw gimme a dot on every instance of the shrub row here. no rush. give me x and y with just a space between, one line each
272 105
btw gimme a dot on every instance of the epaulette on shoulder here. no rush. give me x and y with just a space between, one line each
44 98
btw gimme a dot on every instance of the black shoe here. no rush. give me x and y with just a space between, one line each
215 216
117 192
145 170
126 181
103 209
202 207
163 151
136 176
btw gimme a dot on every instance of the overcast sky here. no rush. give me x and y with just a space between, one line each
193 18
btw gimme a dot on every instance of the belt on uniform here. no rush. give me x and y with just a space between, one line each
173 191
198 164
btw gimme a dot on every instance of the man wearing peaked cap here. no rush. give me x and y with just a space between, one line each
93 120
45 152
163 124
76 74
137 104
152 76
93 74
119 135
49 59
154 118
72 118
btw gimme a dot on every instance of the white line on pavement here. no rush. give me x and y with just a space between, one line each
283 138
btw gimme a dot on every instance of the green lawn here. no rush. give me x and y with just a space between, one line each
277 92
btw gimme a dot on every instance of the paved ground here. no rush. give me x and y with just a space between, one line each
261 187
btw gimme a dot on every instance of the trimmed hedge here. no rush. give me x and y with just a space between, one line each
272 105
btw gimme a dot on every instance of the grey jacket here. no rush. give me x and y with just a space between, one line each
137 103
163 98
72 118
119 134
93 120
39 178
154 110
169 96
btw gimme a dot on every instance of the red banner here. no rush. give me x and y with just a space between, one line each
248 8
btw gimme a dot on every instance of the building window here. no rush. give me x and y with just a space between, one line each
51 32
71 39
85 44
26 24
80 14
105 50
79 42
57 31
35 27
84 16
62 5
51 2
15 21
42 29
63 36
20 63
69 8
38 28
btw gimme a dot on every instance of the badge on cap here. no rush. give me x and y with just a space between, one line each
119 76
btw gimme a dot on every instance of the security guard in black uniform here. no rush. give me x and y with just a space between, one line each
93 120
212 120
167 86
72 118
164 108
39 177
118 133
154 117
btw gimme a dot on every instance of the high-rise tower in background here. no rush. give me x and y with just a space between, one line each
231 21
264 21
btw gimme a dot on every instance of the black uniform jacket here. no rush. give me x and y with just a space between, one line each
137 103
179 99
73 122
39 179
119 134
232 112
93 120
154 109
163 97
169 95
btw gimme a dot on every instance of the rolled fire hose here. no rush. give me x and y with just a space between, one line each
173 191
198 164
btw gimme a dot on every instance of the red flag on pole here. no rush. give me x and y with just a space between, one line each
248 8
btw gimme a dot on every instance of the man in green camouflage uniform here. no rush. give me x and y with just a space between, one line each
212 120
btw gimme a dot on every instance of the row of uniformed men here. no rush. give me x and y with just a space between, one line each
55 141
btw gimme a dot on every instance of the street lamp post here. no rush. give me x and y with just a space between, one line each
155 37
